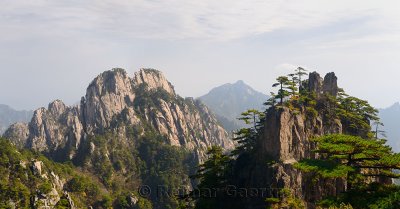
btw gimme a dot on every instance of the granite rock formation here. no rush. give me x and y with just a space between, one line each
285 140
113 103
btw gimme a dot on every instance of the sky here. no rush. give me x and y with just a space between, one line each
52 49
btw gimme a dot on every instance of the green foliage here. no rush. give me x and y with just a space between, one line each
45 187
62 204
325 169
106 202
18 182
300 72
212 176
284 84
165 166
293 81
246 137
356 160
343 155
271 100
150 98
355 114
285 200
83 185
372 196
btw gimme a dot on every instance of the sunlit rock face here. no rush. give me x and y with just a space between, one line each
114 102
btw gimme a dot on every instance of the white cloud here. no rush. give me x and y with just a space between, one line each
180 19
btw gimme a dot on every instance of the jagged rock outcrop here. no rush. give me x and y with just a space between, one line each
154 80
288 135
315 83
106 96
18 134
47 199
114 102
285 140
57 128
330 84
320 86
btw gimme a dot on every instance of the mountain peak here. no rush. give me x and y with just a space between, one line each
230 100
239 82
395 106
113 103
57 107
154 80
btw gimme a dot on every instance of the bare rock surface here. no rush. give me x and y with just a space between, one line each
113 102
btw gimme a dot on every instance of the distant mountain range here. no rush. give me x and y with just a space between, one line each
230 100
9 116
391 119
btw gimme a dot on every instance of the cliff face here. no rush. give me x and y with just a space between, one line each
115 102
286 134
284 140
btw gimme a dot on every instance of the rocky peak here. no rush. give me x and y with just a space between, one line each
315 83
113 103
57 107
17 133
107 95
112 81
154 79
320 86
330 84
286 139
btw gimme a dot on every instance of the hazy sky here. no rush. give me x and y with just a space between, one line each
52 49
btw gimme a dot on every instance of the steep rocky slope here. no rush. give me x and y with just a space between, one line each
147 98
126 132
30 180
285 140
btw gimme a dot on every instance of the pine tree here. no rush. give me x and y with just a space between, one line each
293 84
252 117
246 137
299 72
355 114
377 124
353 158
212 177
271 101
283 83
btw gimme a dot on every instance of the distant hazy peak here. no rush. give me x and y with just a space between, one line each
229 100
240 82
8 116
395 106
